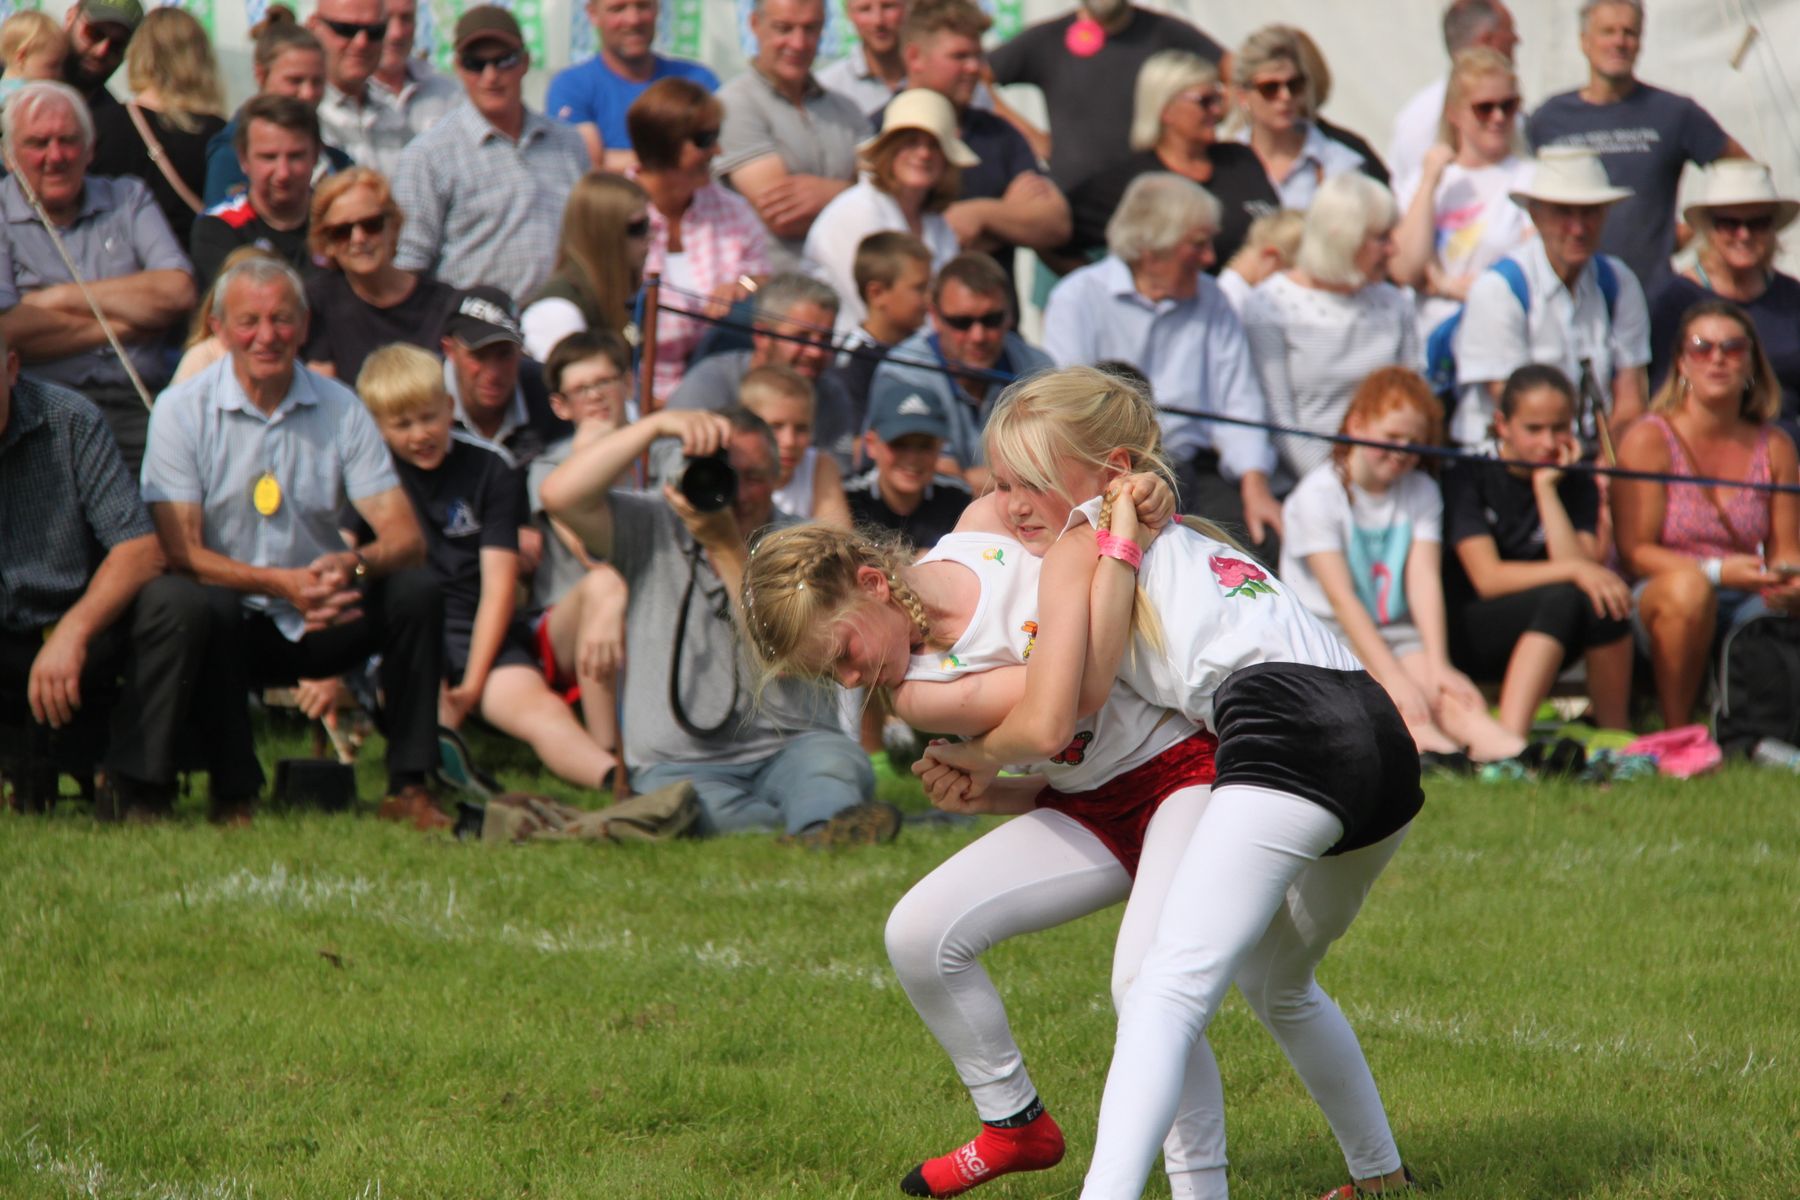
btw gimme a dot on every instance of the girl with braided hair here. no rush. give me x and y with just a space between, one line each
1317 778
1116 797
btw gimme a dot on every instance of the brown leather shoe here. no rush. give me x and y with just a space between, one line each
414 805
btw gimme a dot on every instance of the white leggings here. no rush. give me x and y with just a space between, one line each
1250 901
1035 872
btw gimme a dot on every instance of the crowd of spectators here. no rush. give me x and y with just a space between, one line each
431 417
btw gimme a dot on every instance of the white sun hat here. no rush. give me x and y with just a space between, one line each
922 108
1731 182
1569 175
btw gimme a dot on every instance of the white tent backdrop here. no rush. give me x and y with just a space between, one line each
1728 54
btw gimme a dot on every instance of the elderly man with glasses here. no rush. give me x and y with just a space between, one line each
483 190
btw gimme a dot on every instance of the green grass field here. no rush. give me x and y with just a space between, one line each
1565 992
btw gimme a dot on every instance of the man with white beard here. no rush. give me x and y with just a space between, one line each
1084 63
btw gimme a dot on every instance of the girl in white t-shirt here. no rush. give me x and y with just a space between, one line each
1105 811
1459 218
810 485
1317 778
1362 548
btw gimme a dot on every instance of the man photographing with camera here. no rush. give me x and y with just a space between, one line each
690 705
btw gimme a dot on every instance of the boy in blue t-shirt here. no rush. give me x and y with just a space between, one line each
470 505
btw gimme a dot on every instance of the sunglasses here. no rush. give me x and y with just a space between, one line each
1732 348
639 228
1487 110
1209 101
964 323
1293 85
373 226
475 63
349 29
704 139
1762 224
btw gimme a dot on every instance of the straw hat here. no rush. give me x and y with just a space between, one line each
922 108
1734 181
1569 175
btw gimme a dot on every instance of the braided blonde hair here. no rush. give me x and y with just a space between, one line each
802 578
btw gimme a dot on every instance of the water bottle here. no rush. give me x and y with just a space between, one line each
1773 752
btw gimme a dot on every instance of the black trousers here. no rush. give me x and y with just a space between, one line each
126 416
138 684
1206 493
403 621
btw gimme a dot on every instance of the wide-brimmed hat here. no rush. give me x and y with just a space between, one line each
1734 181
922 108
1569 175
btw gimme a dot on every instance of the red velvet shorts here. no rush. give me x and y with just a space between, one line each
1119 810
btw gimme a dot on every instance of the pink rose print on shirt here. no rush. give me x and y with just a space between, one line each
1240 578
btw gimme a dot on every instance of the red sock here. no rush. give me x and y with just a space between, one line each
1032 1147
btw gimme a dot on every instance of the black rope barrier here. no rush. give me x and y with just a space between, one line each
1442 453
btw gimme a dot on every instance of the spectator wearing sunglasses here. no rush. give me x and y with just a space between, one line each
353 117
483 189
360 301
599 267
99 31
1467 24
1177 107
1644 136
1277 102
1737 217
594 96
704 239
1150 303
961 360
1706 559
1459 216
278 147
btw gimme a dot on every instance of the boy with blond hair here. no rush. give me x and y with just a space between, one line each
470 505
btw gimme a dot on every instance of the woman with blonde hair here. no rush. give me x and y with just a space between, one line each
361 301
1317 329
1276 102
705 239
160 135
1707 558
599 265
1460 218
1177 105
1737 215
911 172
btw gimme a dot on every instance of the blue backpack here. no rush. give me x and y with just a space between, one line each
1440 343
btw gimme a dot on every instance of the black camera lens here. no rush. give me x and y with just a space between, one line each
708 483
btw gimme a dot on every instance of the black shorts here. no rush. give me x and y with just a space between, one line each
518 647
1331 737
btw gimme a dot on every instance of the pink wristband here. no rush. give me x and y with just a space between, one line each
1111 545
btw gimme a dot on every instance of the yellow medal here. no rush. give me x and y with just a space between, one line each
265 497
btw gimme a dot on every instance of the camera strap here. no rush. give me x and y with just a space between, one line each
681 622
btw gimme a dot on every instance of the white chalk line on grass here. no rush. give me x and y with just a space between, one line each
79 1171
413 905
1530 1034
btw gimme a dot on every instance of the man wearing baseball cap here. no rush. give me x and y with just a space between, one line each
99 31
903 491
483 189
501 400
1557 300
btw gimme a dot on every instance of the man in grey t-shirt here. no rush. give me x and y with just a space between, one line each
1644 135
691 708
787 144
